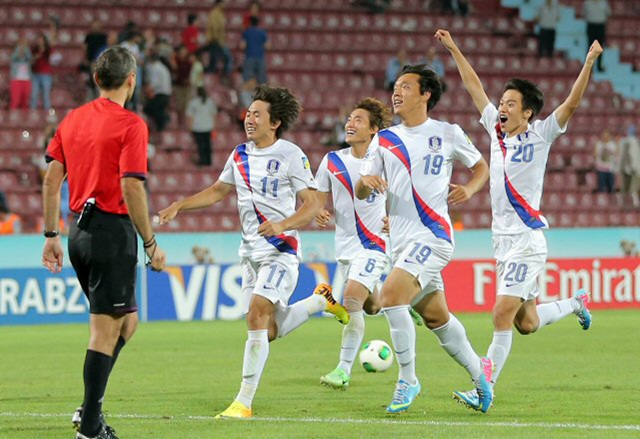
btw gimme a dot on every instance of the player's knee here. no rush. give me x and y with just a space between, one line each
433 321
526 327
352 304
372 307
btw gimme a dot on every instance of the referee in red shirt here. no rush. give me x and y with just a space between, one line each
102 148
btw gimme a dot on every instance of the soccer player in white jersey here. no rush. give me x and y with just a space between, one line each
519 151
361 246
416 158
268 173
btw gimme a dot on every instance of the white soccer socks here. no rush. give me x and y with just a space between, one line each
256 352
453 338
352 336
499 351
295 315
403 336
552 312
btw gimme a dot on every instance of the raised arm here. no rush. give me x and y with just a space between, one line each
468 75
570 105
211 195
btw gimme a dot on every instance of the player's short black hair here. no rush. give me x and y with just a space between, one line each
113 67
283 106
379 114
532 97
429 82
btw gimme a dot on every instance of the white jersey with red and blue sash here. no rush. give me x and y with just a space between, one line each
358 222
418 162
517 172
267 181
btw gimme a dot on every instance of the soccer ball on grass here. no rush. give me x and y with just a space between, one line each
376 356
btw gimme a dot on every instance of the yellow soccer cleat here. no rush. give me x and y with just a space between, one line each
236 410
333 307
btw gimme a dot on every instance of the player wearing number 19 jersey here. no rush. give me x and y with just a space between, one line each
269 173
519 151
361 247
417 159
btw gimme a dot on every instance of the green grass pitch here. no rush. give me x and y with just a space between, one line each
172 378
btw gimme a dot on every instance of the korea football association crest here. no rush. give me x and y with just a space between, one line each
273 166
435 144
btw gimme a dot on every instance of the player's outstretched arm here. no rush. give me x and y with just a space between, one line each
323 216
479 176
469 76
570 105
307 211
211 195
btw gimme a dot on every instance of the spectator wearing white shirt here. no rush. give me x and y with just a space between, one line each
158 91
596 13
201 115
547 19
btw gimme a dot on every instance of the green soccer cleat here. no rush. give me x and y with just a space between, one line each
337 378
417 318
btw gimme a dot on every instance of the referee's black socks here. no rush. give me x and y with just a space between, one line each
97 367
119 345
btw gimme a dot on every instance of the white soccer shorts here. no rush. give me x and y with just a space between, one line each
365 268
519 261
424 257
274 279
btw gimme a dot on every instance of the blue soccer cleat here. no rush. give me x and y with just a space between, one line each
403 397
584 316
469 398
483 385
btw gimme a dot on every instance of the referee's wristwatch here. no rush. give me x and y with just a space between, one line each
51 234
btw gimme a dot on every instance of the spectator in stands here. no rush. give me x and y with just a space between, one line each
158 91
20 86
337 136
254 42
547 18
196 75
596 13
254 10
201 120
431 60
95 42
181 86
202 255
132 43
42 72
607 154
130 28
10 223
191 34
630 166
217 40
394 66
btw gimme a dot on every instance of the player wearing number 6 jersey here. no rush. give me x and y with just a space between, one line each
417 158
361 247
519 151
268 173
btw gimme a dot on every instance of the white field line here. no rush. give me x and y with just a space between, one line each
549 425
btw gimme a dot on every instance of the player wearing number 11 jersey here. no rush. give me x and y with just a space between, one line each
269 173
519 151
417 159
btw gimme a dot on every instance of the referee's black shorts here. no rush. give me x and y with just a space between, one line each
104 257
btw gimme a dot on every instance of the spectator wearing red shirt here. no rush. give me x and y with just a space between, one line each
42 72
103 150
254 9
191 34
